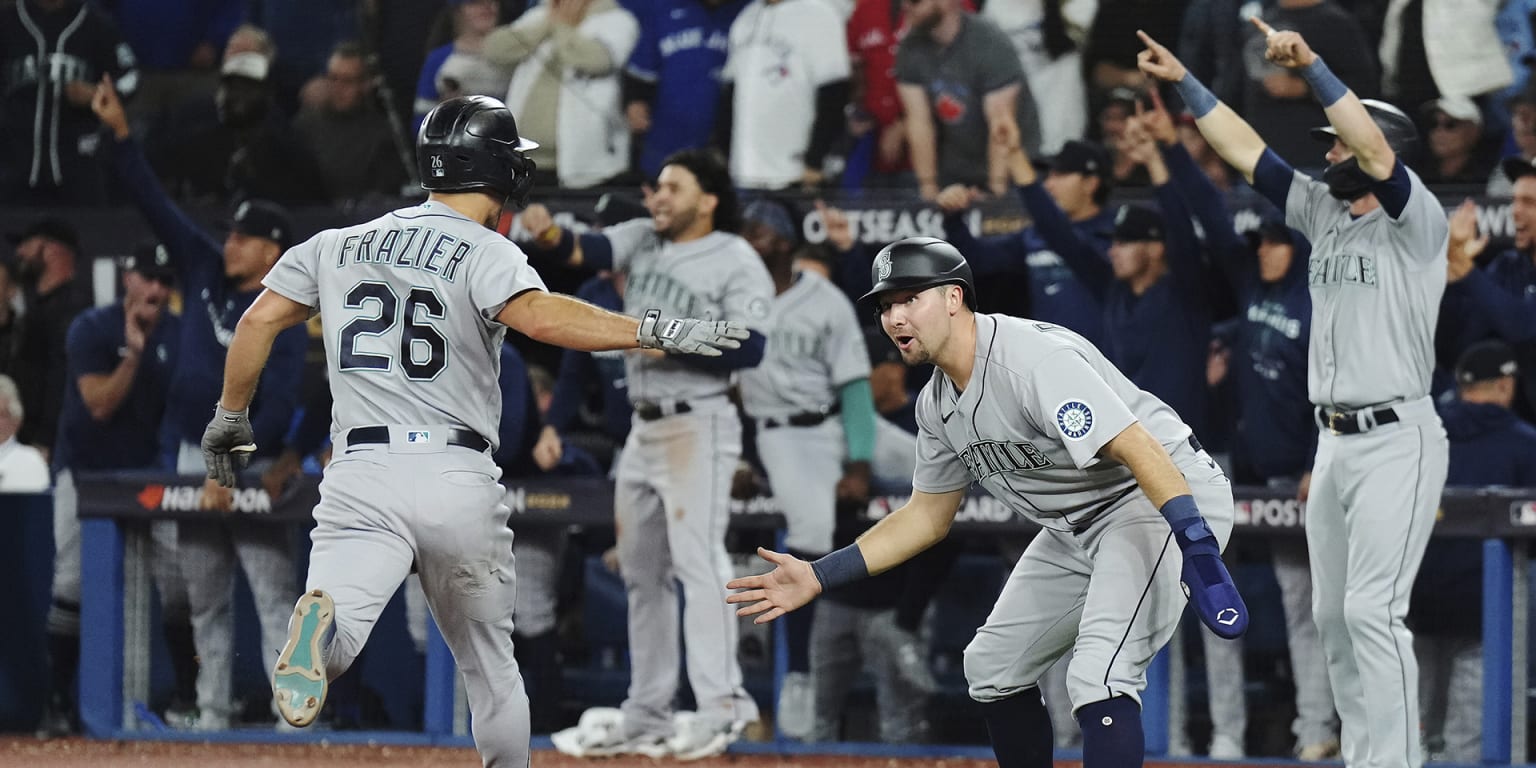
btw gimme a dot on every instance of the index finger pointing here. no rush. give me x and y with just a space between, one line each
1262 25
1147 40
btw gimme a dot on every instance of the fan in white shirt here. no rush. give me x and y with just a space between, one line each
22 467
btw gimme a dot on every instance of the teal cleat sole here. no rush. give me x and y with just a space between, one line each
299 682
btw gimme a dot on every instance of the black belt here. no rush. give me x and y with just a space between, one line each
1350 423
806 419
462 438
653 411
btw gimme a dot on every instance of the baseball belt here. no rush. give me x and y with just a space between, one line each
379 435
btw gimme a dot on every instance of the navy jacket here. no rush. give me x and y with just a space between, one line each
1489 446
210 309
1498 300
129 438
1040 251
581 370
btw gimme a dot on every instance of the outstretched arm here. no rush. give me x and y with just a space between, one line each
565 321
1345 113
1231 136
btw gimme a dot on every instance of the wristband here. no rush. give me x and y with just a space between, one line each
1180 511
1325 85
843 566
1197 98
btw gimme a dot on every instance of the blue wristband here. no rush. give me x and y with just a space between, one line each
1325 85
1197 98
841 567
1180 511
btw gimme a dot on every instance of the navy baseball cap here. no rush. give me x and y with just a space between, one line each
1516 167
1079 157
263 218
773 216
1138 223
1485 361
151 260
51 227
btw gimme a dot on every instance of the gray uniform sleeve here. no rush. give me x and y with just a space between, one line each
498 272
748 291
939 468
1422 231
296 274
1072 403
625 239
847 353
1304 205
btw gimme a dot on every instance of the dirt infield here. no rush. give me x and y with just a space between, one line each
20 751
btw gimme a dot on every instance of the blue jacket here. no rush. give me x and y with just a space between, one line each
1056 294
129 438
681 50
1490 445
1497 300
581 370
210 309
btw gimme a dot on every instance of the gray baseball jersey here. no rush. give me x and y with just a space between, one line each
1041 403
409 302
414 294
1376 284
816 348
716 277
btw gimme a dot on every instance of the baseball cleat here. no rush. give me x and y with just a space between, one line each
299 682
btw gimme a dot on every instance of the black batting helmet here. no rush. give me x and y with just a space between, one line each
470 143
920 262
1398 127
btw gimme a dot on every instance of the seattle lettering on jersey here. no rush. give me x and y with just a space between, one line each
423 248
794 345
989 457
1340 268
651 288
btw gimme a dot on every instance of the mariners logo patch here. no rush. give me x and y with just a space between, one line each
882 267
418 437
1075 419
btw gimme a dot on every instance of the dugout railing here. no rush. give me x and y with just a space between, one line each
116 601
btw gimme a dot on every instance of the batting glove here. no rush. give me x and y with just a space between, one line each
1207 583
689 336
228 441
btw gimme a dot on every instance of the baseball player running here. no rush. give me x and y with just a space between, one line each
1117 483
673 482
416 304
1377 271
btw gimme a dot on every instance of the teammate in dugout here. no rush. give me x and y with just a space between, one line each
1117 482
1377 272
417 303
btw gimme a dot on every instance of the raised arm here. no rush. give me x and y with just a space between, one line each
1231 136
1345 113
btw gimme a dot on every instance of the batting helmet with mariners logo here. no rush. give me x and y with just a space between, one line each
470 143
920 262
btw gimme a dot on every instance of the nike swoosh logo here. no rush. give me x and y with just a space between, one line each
945 418
1053 289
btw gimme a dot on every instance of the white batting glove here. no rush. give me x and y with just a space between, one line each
689 336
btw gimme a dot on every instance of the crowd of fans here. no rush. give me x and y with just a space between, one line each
262 105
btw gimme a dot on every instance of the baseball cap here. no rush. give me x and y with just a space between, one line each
1486 360
1138 223
263 218
1515 167
50 227
1456 108
249 65
1079 157
773 216
151 260
1273 230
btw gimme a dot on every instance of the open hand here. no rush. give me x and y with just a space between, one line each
1158 62
1465 244
1286 48
788 586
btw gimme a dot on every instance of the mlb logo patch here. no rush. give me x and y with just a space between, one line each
414 436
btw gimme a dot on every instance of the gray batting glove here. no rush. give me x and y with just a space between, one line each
228 441
689 336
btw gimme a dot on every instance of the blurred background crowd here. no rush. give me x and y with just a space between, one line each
266 111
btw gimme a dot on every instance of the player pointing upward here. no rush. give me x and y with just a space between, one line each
1038 417
1377 272
416 303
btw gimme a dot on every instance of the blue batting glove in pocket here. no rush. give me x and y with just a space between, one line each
1207 583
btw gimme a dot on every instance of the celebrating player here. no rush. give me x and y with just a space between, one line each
1038 416
1378 269
416 303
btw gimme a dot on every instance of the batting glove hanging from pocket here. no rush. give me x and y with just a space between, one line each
689 336
1207 583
